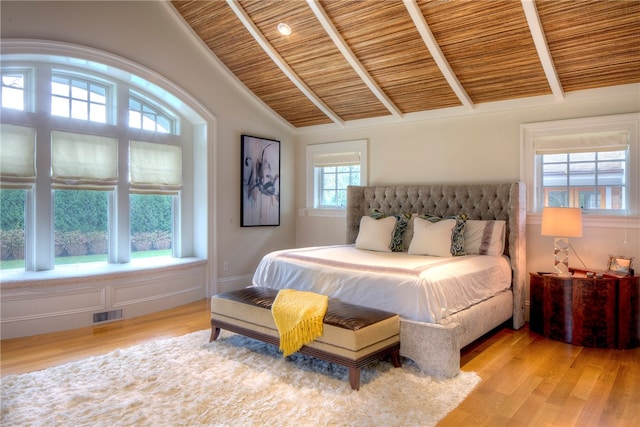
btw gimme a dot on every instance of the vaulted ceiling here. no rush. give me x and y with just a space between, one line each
361 59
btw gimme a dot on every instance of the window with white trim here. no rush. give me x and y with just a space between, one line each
84 176
79 98
145 115
331 167
15 84
99 193
587 163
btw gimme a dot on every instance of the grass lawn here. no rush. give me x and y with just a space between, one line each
19 263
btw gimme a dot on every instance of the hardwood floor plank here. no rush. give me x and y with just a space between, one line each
519 396
586 382
527 380
626 393
572 387
530 408
568 414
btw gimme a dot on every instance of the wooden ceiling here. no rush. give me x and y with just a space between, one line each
361 59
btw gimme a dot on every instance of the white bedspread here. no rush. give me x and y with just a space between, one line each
421 288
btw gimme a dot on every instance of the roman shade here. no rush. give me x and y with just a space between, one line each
582 142
83 161
322 160
155 168
17 155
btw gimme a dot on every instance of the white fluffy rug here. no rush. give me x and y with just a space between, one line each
235 381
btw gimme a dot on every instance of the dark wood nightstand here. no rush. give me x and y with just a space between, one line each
591 312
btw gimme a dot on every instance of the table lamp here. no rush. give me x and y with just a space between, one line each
561 223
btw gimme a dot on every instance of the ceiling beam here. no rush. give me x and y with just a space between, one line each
280 62
436 52
348 54
540 41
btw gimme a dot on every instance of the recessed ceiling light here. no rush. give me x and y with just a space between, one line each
284 29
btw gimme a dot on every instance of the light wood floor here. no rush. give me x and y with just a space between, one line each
526 380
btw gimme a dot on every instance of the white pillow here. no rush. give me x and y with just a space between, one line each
432 238
376 234
484 237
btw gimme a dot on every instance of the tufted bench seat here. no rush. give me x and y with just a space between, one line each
353 336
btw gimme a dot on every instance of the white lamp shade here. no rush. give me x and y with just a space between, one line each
561 222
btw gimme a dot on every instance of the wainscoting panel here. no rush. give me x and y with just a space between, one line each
154 287
48 302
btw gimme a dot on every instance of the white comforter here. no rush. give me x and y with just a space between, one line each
422 288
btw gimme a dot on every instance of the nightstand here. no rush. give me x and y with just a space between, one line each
591 312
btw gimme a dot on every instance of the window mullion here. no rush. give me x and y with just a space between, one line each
113 251
568 182
42 208
597 170
176 233
120 221
29 231
39 217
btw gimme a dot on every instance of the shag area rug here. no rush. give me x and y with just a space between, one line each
234 380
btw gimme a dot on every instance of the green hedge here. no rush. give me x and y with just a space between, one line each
75 243
81 222
86 211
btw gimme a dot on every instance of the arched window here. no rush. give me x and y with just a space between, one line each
97 165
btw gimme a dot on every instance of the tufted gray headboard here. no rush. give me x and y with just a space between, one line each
478 201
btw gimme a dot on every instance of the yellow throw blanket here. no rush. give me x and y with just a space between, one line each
299 317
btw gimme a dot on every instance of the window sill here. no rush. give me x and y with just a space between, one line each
91 272
329 213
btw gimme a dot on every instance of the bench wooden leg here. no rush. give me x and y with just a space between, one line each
215 332
354 378
395 358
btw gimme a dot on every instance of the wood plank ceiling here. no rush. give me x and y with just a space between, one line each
360 59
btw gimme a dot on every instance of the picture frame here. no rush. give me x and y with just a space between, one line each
620 265
260 201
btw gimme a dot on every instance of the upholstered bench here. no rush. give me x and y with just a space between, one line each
353 336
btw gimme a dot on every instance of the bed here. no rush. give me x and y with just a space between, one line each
444 302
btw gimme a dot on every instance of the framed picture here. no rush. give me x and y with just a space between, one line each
619 265
260 203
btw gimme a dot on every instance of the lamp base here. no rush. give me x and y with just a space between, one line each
562 274
561 256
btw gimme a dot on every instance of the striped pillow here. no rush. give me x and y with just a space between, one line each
484 237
